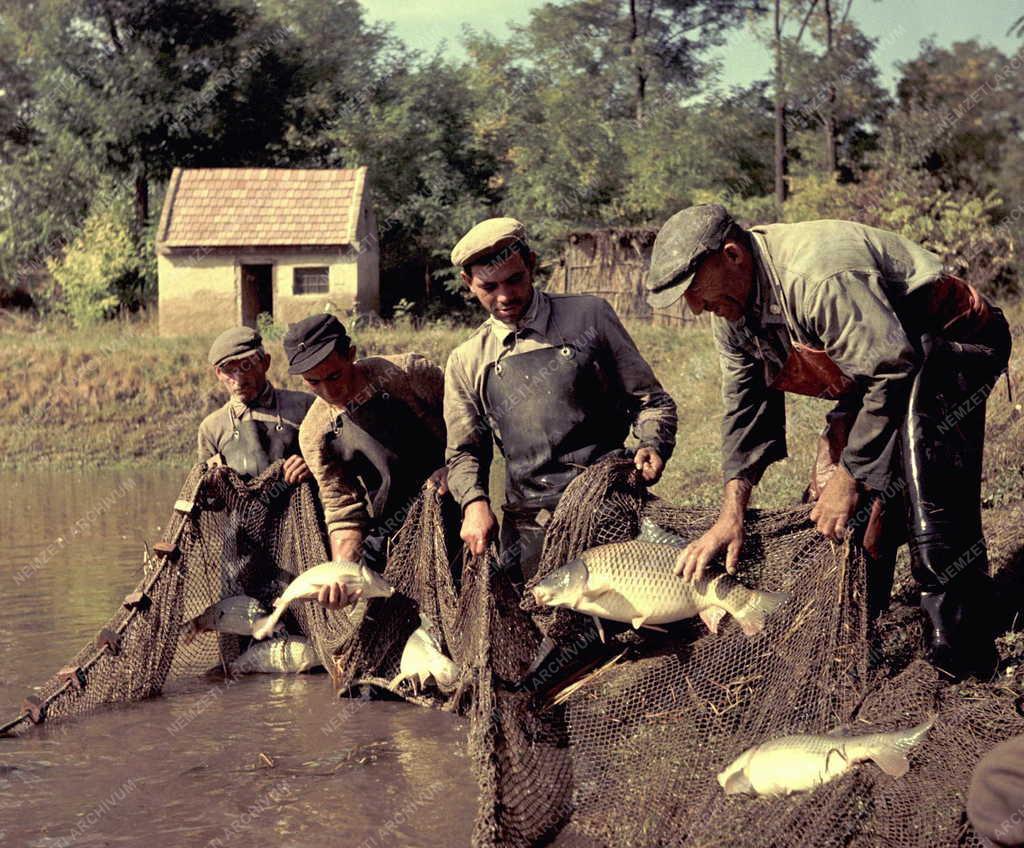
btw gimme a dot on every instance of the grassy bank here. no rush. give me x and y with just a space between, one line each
121 395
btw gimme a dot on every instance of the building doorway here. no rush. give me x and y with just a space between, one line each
257 292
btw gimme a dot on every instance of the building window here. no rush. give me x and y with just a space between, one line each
310 281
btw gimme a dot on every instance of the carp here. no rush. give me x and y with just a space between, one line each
423 659
306 587
288 655
634 582
798 763
237 614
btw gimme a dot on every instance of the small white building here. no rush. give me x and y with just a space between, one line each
237 242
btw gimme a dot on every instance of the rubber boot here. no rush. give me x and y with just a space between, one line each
957 629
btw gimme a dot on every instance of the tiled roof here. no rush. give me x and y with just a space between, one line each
260 207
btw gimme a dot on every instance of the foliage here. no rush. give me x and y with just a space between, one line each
101 269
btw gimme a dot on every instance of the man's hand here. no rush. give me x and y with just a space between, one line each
835 506
439 480
725 533
295 470
650 465
336 595
479 526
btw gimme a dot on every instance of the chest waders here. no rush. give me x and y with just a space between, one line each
964 344
553 413
384 446
255 445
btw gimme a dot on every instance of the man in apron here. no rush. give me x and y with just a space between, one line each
850 313
372 438
260 423
555 380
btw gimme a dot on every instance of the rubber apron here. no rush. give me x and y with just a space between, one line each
255 445
553 414
384 447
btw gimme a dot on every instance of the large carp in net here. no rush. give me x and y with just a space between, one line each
622 750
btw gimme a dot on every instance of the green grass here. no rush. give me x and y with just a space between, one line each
119 394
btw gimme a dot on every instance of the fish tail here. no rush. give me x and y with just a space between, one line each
264 626
753 614
889 750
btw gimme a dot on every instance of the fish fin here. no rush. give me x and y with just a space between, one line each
738 783
712 617
654 627
600 629
892 761
263 627
753 615
638 621
651 532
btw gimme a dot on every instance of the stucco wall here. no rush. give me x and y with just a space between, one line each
199 293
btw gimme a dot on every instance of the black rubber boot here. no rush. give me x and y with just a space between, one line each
958 629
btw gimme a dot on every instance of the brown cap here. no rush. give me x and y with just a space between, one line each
487 237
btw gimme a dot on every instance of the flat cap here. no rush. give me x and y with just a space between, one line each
487 237
685 239
995 800
236 343
310 341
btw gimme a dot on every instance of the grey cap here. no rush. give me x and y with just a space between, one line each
236 343
684 240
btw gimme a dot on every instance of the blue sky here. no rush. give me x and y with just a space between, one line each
899 25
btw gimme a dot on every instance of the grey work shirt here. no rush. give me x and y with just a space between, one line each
835 286
272 405
550 321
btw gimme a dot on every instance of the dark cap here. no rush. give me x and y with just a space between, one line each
685 239
310 341
236 343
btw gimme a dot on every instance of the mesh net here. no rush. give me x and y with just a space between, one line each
624 752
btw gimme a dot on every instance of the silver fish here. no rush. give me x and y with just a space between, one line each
307 586
423 659
237 614
798 763
287 655
634 582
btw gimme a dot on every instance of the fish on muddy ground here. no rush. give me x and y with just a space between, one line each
634 582
237 614
423 659
306 587
798 763
287 655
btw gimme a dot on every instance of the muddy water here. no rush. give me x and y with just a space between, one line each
269 760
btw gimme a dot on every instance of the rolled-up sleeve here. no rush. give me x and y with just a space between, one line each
861 333
656 420
754 417
345 504
470 443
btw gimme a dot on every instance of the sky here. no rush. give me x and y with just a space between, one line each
898 25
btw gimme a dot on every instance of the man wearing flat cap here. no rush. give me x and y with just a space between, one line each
554 380
260 423
866 318
372 438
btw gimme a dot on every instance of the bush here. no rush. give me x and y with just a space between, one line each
101 270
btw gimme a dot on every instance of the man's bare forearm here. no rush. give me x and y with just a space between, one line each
736 498
346 545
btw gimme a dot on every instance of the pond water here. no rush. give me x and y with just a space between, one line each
268 760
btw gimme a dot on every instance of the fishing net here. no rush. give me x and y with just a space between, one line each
620 750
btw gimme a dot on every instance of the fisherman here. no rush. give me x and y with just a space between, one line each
995 801
846 312
555 380
260 423
372 438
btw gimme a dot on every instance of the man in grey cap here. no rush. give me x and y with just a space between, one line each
555 380
850 313
259 423
373 437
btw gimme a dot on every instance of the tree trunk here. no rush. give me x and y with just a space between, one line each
829 116
141 203
641 76
780 113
